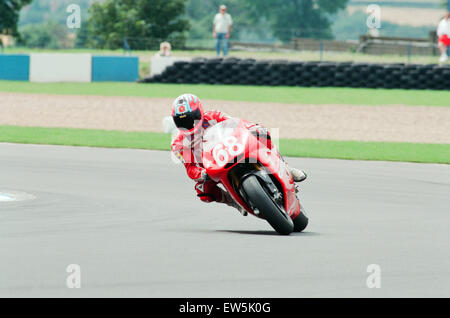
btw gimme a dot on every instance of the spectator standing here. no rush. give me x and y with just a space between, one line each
443 33
222 29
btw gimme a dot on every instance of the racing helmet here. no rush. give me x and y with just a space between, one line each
187 113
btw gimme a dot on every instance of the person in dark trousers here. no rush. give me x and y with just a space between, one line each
222 29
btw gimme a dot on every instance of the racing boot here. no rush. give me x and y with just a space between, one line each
228 200
298 175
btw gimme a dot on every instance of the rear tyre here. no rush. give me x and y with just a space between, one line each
301 221
261 200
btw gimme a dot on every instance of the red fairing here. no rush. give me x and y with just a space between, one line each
184 147
248 146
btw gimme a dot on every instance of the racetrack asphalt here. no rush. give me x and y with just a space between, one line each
131 221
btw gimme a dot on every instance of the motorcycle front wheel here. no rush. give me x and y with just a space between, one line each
301 221
261 200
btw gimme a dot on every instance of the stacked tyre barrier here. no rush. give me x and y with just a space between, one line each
307 74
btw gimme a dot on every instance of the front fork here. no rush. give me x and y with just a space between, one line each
267 182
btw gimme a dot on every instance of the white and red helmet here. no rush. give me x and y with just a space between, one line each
187 113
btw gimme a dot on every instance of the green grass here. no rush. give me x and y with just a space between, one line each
358 150
355 150
84 137
145 56
304 95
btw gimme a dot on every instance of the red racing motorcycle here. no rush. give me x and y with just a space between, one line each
254 174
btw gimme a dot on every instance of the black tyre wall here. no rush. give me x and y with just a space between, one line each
234 71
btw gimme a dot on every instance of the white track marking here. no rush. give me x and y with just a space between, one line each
13 196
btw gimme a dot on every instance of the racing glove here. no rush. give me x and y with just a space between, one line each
204 176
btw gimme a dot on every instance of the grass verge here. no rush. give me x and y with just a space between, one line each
277 55
297 95
354 150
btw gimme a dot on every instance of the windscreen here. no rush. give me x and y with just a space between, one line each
223 142
217 133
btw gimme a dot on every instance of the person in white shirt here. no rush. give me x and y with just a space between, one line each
221 29
443 33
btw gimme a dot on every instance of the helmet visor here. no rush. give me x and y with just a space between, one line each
187 121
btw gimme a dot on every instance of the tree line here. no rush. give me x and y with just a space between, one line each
106 23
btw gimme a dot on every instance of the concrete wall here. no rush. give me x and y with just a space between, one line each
57 67
49 67
159 64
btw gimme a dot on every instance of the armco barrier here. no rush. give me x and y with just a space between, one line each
14 67
115 68
307 74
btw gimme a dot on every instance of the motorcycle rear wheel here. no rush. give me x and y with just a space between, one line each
261 200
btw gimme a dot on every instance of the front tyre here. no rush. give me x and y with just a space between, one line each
261 200
301 221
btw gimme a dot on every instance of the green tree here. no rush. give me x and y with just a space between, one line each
297 18
82 38
9 15
49 35
40 11
144 23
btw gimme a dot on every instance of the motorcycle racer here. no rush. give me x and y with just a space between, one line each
192 121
